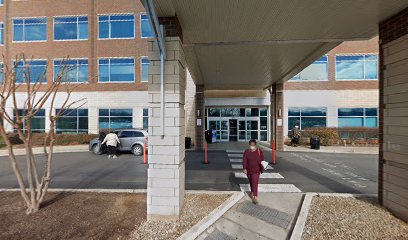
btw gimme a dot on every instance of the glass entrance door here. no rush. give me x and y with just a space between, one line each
233 130
241 130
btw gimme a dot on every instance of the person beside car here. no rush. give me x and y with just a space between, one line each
112 142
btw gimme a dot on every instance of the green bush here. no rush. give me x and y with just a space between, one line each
328 136
60 139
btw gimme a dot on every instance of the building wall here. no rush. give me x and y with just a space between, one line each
99 95
190 108
393 157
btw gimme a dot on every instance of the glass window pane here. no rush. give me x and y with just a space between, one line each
18 33
311 122
264 123
294 112
357 112
371 70
121 122
103 112
371 112
146 31
292 122
103 123
35 32
316 71
103 30
313 111
371 122
264 136
83 123
123 29
263 111
103 73
254 134
349 70
351 122
122 73
145 72
83 73
65 31
214 112
121 112
83 30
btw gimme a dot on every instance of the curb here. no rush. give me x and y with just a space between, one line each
301 220
206 222
82 190
304 212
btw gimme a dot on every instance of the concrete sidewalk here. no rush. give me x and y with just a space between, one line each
334 149
273 218
40 150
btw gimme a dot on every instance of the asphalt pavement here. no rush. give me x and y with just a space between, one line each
306 172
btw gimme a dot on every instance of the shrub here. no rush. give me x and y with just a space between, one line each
328 136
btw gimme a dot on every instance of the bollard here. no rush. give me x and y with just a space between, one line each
273 152
206 153
144 153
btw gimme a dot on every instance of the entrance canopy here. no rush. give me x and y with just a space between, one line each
251 44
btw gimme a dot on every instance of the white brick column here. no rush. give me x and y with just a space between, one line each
93 114
166 173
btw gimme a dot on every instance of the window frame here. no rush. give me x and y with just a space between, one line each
46 70
316 80
364 116
77 119
109 58
141 69
2 39
34 117
110 29
23 18
73 59
300 116
114 116
69 16
364 65
140 23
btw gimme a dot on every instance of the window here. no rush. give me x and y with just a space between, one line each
1 73
1 33
115 118
71 28
29 29
37 122
306 118
117 70
358 117
1 2
145 30
130 134
317 71
357 67
116 26
72 70
145 69
72 121
145 118
36 69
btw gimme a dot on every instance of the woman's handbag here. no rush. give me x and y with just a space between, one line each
261 167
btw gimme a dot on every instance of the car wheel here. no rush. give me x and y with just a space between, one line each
96 150
137 150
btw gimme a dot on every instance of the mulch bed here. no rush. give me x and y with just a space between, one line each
351 218
73 216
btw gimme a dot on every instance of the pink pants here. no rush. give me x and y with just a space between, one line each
253 182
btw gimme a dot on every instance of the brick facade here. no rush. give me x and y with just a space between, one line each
91 48
393 164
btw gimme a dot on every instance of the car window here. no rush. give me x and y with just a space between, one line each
125 134
137 134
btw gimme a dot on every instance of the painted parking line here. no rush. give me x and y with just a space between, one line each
236 160
236 166
234 155
272 188
263 175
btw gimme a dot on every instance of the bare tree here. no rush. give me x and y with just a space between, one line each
38 93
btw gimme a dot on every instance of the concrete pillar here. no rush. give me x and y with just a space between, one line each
199 106
393 114
93 114
166 173
47 119
278 112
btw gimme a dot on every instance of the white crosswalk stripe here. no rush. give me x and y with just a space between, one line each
235 160
232 155
236 166
235 151
263 175
290 188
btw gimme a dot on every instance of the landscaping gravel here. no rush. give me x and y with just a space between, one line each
196 207
351 218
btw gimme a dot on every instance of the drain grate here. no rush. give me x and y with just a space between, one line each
218 235
266 214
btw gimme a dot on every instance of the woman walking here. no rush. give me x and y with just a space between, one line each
252 167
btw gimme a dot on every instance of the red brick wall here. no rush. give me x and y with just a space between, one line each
91 48
351 47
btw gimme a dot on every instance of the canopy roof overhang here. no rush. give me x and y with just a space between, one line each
252 44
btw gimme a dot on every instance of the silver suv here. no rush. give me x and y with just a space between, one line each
130 140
